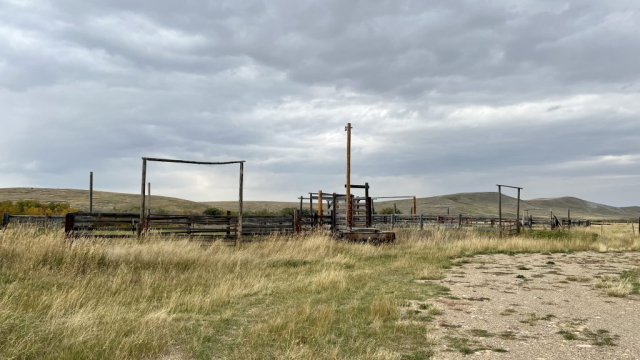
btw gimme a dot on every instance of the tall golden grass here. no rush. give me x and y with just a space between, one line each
308 297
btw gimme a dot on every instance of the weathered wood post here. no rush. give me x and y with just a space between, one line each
500 209
459 221
5 220
240 200
313 218
142 197
421 223
334 212
414 211
518 214
91 192
301 198
228 224
320 209
348 198
68 224
369 211
147 223
569 218
296 221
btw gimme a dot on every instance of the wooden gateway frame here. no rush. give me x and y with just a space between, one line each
144 181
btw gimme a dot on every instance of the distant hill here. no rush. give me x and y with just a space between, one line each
480 203
102 201
486 203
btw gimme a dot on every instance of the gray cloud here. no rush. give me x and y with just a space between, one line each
445 96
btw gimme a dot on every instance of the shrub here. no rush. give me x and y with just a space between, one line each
387 211
213 211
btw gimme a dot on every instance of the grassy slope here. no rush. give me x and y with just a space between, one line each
466 203
312 298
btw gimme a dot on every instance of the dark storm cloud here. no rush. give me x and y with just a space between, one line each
445 96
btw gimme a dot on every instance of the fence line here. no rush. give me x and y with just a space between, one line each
226 226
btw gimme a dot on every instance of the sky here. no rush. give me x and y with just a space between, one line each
445 96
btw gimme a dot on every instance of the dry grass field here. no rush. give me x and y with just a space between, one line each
308 297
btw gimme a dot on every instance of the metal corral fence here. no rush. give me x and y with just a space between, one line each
226 226
36 221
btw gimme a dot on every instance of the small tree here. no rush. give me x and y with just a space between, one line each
290 210
389 210
213 211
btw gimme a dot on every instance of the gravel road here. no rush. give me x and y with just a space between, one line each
535 306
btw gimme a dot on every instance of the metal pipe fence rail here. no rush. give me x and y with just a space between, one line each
204 226
35 221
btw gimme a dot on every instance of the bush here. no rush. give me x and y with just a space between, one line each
34 207
214 211
387 211
290 210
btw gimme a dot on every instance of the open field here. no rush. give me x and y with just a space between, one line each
465 203
309 297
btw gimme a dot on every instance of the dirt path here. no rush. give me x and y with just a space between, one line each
537 306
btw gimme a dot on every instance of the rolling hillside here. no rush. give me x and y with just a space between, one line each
485 203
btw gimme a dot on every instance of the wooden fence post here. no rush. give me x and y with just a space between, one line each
228 224
142 197
296 221
91 192
393 220
459 221
421 223
69 219
320 209
240 205
5 220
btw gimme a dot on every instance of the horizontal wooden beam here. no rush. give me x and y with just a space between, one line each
509 186
193 162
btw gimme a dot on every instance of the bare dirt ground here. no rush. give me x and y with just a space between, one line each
534 306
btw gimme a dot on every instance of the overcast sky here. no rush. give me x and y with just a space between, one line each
445 96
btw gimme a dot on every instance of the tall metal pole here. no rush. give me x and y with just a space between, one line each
518 214
142 197
91 192
348 129
240 200
500 209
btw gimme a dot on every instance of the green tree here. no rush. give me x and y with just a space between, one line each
290 210
213 211
389 210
